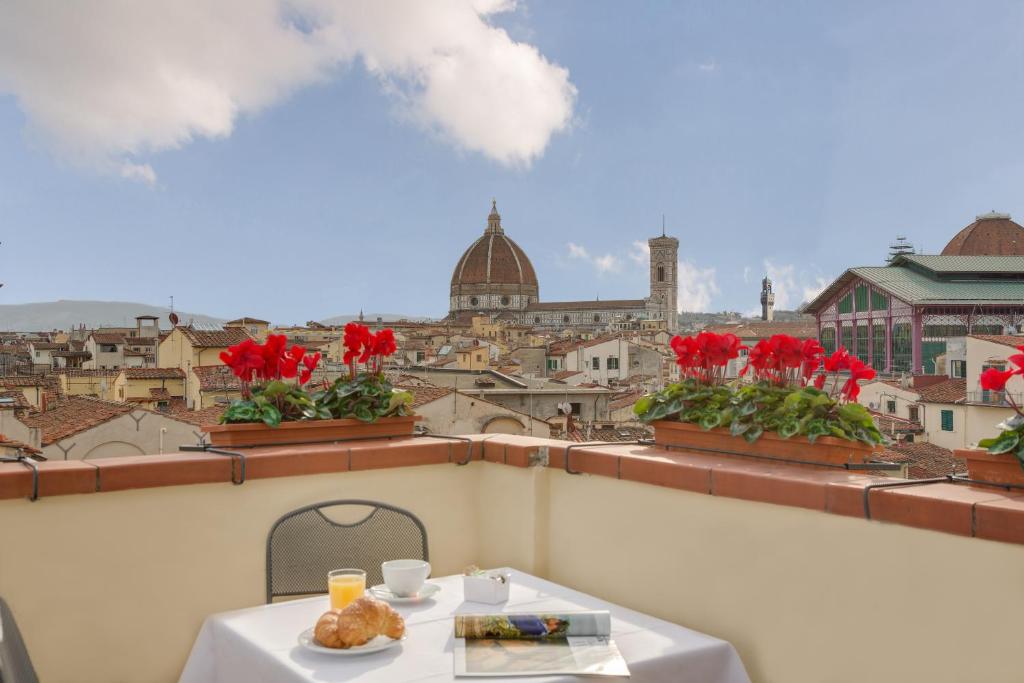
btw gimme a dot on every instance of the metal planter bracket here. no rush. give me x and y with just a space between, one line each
32 465
568 450
237 478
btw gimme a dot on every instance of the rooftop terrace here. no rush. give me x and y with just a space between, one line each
813 574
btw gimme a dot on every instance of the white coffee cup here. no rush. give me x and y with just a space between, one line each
405 578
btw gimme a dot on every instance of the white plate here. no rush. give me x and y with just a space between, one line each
381 592
308 641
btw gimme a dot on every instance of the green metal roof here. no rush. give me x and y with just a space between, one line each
915 287
965 264
922 279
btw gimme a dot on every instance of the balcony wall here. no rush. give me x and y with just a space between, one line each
778 560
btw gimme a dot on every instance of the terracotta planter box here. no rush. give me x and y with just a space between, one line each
826 450
309 431
998 469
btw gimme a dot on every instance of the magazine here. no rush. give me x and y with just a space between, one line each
536 644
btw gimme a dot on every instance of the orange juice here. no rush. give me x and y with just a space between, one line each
345 588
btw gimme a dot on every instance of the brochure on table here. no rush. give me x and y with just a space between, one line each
536 644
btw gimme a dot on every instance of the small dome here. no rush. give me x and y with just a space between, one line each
992 234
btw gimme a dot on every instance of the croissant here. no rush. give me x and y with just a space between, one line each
358 624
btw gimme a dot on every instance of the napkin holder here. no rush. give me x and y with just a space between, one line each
489 587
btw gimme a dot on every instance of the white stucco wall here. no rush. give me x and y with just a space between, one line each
134 433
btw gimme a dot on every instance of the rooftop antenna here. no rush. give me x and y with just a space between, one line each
662 225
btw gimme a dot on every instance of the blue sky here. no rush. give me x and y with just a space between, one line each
795 138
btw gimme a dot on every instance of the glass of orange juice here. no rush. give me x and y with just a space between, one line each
345 585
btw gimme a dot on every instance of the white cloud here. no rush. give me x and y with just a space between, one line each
709 66
746 274
607 263
140 172
697 287
110 81
792 288
640 252
576 251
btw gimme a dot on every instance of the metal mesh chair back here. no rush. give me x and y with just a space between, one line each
15 664
305 544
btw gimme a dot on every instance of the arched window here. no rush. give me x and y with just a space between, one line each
597 318
473 301
504 301
565 318
661 273
536 318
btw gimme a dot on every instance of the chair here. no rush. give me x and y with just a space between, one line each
15 664
305 544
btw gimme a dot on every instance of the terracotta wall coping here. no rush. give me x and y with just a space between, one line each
984 512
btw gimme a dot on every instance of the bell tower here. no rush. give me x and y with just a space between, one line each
767 300
664 278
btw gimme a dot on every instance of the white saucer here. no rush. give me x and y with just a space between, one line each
308 641
381 592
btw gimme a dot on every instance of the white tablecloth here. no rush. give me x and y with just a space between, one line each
260 644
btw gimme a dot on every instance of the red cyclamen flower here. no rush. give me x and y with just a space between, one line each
858 371
994 379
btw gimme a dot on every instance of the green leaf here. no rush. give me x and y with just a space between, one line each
788 429
738 427
643 404
985 443
753 434
1006 442
710 421
853 412
659 411
275 389
271 416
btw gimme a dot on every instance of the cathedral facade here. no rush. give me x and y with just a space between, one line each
494 276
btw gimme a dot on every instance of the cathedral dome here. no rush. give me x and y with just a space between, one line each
992 234
493 273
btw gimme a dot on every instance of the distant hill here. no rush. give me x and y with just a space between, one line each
372 318
65 314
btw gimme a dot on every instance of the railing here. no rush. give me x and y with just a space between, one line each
995 398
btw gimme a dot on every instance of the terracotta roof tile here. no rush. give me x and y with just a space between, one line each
216 378
422 395
153 373
991 235
107 338
625 401
17 400
924 460
6 442
72 415
596 305
619 433
199 418
565 374
763 329
947 391
229 336
1004 339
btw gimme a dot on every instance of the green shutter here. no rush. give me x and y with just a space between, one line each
947 420
862 342
846 337
860 297
828 339
878 347
901 347
846 304
879 301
